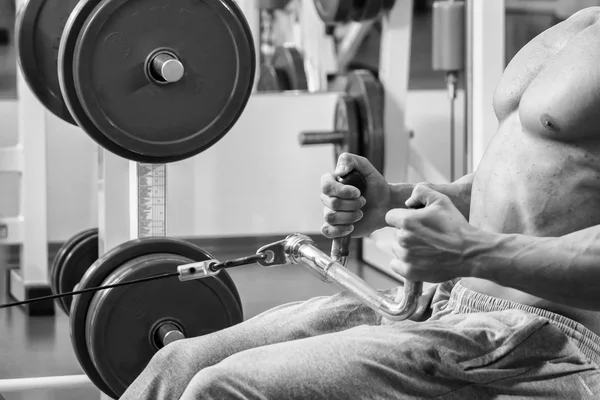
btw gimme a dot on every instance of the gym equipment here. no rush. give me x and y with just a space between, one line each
300 249
333 11
71 262
272 4
129 72
346 134
366 10
341 11
38 29
285 71
362 107
115 332
449 55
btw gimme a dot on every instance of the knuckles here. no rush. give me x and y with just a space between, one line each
329 215
332 232
327 185
335 203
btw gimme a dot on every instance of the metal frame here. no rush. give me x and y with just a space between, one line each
30 228
46 382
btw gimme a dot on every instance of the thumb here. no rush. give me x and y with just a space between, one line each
423 195
348 162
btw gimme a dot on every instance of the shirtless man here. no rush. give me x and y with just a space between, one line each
515 247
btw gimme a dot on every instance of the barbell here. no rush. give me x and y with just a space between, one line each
139 76
358 126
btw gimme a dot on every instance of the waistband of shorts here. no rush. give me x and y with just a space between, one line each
464 300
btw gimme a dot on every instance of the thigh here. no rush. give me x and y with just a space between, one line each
468 356
366 362
537 361
171 369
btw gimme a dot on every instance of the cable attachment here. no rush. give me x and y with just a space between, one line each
208 268
198 270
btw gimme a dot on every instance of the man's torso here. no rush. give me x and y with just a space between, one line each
540 175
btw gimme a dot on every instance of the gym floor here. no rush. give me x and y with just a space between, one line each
40 346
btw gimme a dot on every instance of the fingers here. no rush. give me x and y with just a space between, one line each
400 268
332 188
331 232
337 204
341 217
348 162
423 195
401 218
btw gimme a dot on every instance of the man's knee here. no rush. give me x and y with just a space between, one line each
166 376
218 382
175 361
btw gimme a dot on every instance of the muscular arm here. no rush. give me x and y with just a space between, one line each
458 191
562 269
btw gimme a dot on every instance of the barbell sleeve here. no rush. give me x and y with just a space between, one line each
321 137
167 67
167 333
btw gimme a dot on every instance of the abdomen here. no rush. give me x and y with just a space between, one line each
536 186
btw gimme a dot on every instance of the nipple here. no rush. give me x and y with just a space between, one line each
548 123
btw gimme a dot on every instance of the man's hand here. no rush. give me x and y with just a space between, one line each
435 243
346 211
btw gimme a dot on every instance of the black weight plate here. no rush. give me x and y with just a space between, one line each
364 10
367 92
120 321
58 262
346 120
101 269
388 5
272 4
38 29
164 121
268 80
334 11
76 261
288 62
67 83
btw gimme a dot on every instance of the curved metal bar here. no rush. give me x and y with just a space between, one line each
300 249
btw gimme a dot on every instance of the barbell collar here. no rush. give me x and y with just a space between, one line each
167 68
322 137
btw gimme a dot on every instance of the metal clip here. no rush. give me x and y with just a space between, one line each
197 270
275 254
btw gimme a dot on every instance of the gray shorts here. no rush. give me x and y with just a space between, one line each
472 347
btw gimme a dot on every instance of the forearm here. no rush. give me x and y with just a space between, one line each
562 269
458 191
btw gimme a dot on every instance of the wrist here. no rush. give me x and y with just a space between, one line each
399 193
483 254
